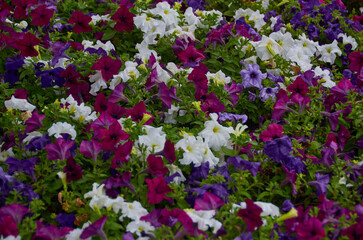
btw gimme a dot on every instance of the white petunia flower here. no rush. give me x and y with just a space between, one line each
97 190
348 40
329 52
174 169
216 135
325 74
133 210
257 18
308 46
5 154
154 139
170 16
266 48
193 150
97 83
297 55
204 219
218 78
20 104
285 41
62 127
76 233
139 226
116 204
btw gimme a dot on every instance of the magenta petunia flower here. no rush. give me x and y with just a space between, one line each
95 229
281 105
16 211
333 118
234 90
81 22
70 75
50 232
211 104
200 80
59 149
310 230
290 178
156 166
107 66
21 7
8 226
41 15
112 136
124 19
272 132
168 151
101 102
34 122
354 232
118 94
167 95
191 56
122 153
137 113
104 121
90 149
157 190
251 215
356 61
208 202
26 45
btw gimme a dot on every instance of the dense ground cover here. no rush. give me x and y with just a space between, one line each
181 120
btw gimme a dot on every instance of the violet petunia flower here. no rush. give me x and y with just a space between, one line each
66 220
34 122
290 178
50 232
310 230
232 117
242 164
48 77
167 95
38 143
320 183
252 76
117 94
279 148
333 118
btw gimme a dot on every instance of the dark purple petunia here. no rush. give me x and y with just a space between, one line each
38 143
8 226
25 165
72 170
200 80
48 77
333 118
153 217
66 220
320 183
278 149
290 178
116 181
12 65
211 104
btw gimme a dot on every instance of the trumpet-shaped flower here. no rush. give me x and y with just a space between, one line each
252 76
193 153
204 219
329 52
20 104
81 22
139 227
267 48
124 19
133 210
95 229
157 190
62 127
217 136
154 140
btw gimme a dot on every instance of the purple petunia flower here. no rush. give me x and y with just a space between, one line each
320 183
278 149
232 117
267 93
66 220
47 77
25 165
96 228
252 76
242 164
60 149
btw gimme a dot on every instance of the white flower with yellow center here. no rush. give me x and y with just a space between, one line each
266 48
218 78
193 150
20 104
215 134
139 226
133 210
329 52
154 139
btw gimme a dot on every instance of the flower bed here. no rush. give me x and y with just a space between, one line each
180 120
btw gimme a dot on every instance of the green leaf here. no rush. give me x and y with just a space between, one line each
108 35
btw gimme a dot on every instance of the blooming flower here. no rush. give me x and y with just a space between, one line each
157 190
41 15
251 215
252 76
62 127
215 134
124 19
81 22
